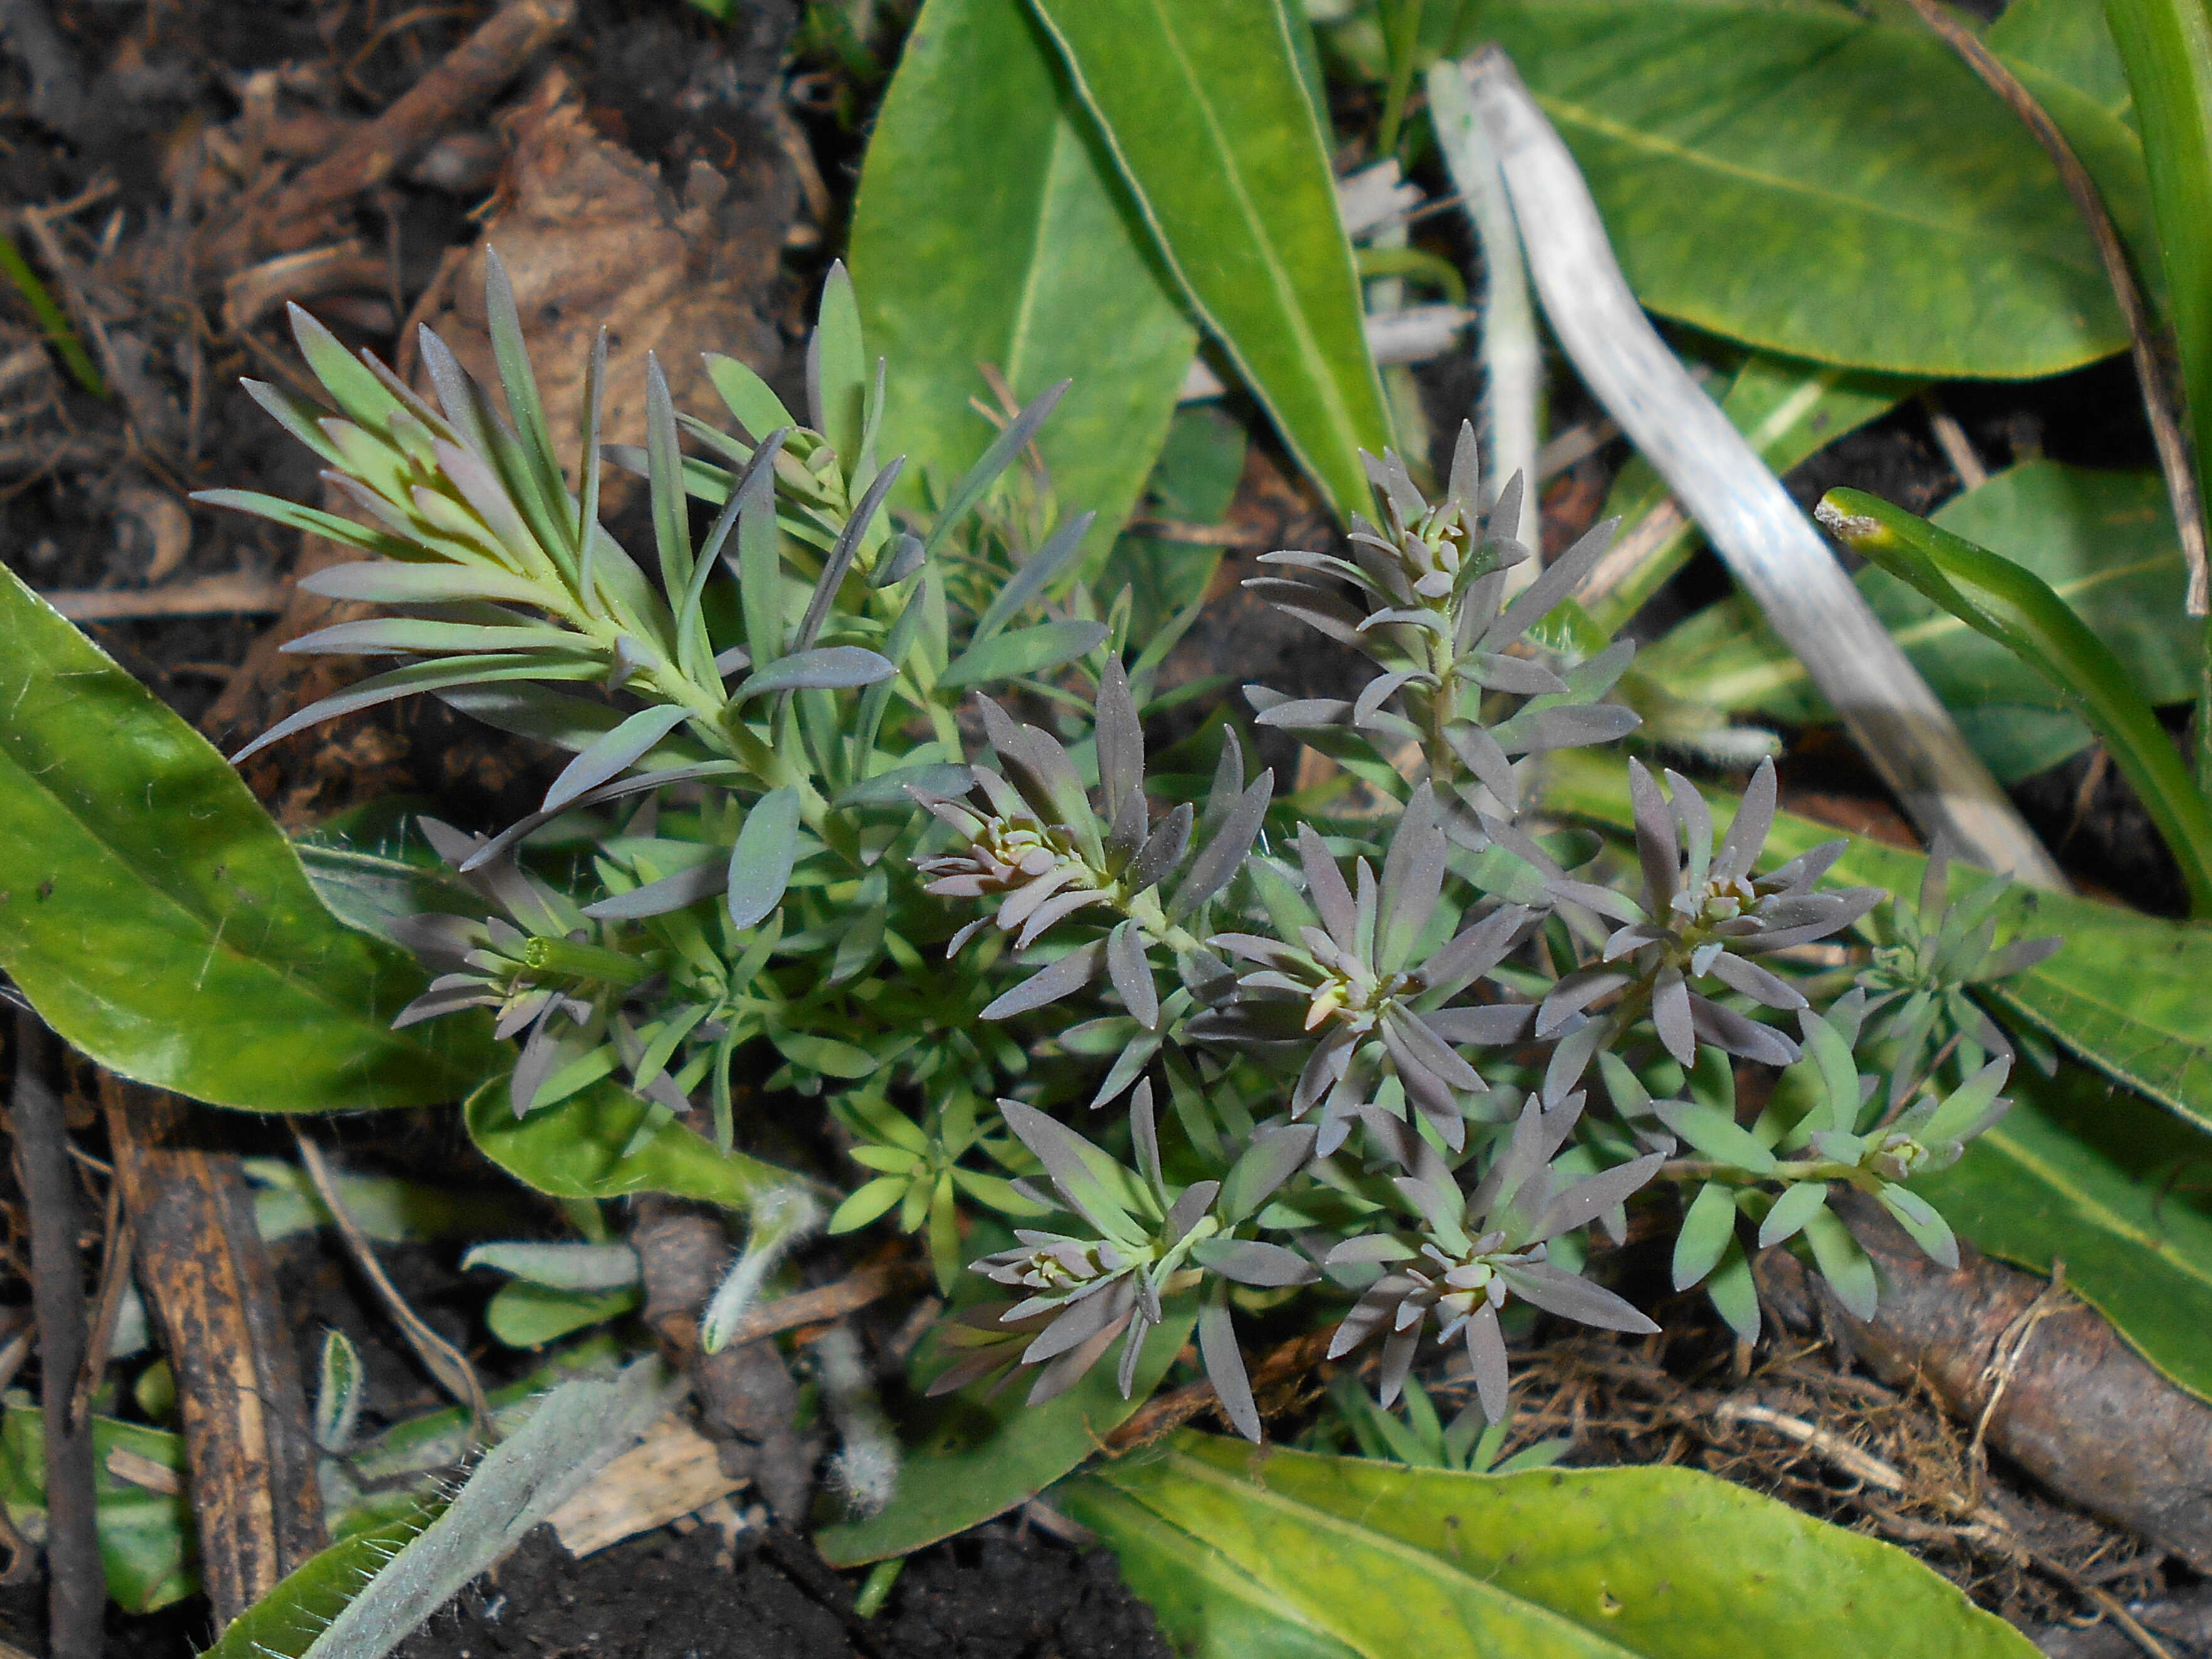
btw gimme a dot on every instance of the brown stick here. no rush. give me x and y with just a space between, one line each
2142 333
2057 1390
1164 1413
77 1589
849 1295
459 85
232 594
213 1296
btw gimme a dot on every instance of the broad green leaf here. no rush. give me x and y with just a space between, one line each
2088 1175
1042 271
1723 141
162 923
2017 608
970 1459
2105 543
1202 108
1244 1553
146 1542
2068 40
2126 995
580 1148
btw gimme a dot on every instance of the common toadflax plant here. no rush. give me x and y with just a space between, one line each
858 812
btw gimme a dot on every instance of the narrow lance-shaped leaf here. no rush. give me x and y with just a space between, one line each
2018 610
1209 123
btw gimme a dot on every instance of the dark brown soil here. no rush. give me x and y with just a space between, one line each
990 1596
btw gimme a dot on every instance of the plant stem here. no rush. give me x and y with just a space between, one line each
1404 36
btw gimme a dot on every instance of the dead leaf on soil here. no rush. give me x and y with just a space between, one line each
592 234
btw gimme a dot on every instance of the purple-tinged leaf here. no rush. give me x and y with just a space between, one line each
1132 973
1557 1290
1062 979
1224 1370
1222 857
1252 1262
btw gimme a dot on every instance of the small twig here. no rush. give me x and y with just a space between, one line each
1165 1412
1857 1461
114 1279
1951 438
77 1589
2005 1354
458 86
2158 404
440 1357
849 1295
234 593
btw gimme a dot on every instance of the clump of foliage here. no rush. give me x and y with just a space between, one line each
862 782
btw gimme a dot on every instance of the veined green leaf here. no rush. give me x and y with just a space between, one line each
2105 543
2017 608
1205 114
577 1149
1244 1553
2126 995
162 923
971 1458
2084 1173
2068 40
1949 247
1043 273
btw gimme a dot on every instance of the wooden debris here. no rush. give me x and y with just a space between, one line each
235 594
675 1472
212 1293
77 1585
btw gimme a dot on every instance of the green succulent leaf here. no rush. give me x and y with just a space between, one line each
160 922
1243 1552
761 861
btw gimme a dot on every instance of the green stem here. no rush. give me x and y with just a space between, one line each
1404 36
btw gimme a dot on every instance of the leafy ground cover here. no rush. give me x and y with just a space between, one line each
1023 772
